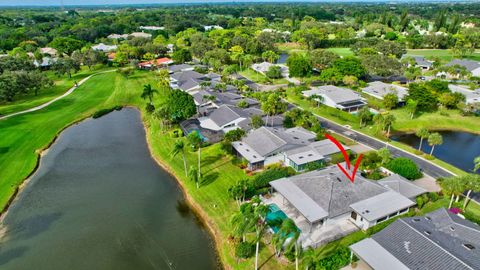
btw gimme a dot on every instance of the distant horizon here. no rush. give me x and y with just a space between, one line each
74 3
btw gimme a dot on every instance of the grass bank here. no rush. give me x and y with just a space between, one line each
260 78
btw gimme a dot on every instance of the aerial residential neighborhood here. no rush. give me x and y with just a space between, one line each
148 135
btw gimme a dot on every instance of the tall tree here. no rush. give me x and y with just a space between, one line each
422 133
472 183
434 139
179 147
196 141
148 92
451 186
194 175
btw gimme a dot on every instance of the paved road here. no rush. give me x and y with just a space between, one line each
55 99
425 165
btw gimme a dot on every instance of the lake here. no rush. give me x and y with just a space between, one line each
458 148
99 201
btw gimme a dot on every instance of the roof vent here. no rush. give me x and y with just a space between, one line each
469 246
416 219
427 232
310 155
428 218
367 211
452 228
338 179
300 157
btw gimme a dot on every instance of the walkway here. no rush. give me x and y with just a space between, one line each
55 99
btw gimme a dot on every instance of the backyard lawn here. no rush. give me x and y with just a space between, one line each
341 51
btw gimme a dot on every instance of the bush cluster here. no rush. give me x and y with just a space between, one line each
404 167
244 250
102 112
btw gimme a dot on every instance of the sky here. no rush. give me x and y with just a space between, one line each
122 2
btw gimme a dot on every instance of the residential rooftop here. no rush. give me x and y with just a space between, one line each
379 89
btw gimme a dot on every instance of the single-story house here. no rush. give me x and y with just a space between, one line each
439 240
117 36
50 51
104 48
212 27
268 145
326 196
152 28
140 35
338 97
471 96
379 89
186 80
420 62
472 66
401 185
45 63
160 62
265 66
180 67
228 117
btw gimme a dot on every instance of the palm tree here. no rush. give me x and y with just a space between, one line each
422 133
309 258
378 119
365 115
196 141
148 92
472 183
434 139
476 161
260 212
283 234
179 147
452 186
388 121
243 221
194 175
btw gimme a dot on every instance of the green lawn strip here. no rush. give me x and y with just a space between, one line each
444 55
260 78
442 119
341 51
62 85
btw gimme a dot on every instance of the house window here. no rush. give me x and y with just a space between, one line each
354 215
382 219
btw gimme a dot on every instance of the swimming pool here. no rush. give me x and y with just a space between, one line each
199 133
275 216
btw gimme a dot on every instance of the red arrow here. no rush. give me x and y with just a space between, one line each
347 159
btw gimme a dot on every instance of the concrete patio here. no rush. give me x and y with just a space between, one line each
317 234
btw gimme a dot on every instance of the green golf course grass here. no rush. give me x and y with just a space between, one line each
62 85
444 55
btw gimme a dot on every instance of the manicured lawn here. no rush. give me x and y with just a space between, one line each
44 95
341 51
444 55
260 78
441 119
25 135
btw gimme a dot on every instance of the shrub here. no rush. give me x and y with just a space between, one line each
420 202
102 112
244 250
404 167
337 260
429 157
433 196
261 180
177 133
149 108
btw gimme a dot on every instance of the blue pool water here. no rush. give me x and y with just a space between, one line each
199 133
275 217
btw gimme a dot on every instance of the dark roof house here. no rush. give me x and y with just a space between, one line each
440 240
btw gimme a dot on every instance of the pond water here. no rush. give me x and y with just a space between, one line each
283 58
458 148
99 201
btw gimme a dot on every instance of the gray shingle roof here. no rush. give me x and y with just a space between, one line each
188 79
380 89
435 241
330 189
336 94
266 140
224 115
376 256
468 64
326 147
402 186
471 96
180 67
